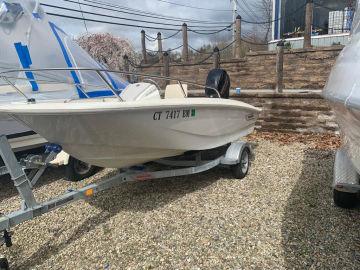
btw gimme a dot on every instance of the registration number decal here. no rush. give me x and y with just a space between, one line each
174 114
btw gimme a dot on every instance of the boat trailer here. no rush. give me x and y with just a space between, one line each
237 155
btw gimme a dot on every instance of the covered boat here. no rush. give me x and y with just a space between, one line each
343 92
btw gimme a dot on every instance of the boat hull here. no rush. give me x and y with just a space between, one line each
20 137
349 123
118 136
342 91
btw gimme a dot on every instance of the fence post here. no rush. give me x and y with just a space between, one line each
166 71
308 23
126 67
280 67
216 58
238 37
185 49
143 45
160 50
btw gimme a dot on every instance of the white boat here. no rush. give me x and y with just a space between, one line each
96 116
23 49
343 92
110 133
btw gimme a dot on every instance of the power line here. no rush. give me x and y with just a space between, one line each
114 17
279 19
82 14
112 23
244 10
193 7
201 32
249 8
142 13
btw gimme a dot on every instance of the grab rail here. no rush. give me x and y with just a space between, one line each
98 71
109 85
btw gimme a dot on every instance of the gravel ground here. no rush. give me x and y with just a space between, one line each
280 217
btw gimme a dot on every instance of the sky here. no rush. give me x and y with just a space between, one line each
221 13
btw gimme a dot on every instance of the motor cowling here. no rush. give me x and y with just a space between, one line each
217 79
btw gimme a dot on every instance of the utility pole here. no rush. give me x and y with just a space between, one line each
237 50
234 2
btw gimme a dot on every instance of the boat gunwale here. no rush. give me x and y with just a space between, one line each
114 105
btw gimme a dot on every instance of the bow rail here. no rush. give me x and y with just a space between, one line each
99 71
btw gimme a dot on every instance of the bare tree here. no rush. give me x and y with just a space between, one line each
108 49
264 8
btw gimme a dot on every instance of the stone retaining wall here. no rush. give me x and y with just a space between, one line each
303 69
293 111
301 112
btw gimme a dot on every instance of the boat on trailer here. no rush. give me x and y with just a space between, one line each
123 131
137 126
93 113
24 49
96 116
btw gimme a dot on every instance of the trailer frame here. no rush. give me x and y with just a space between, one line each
24 183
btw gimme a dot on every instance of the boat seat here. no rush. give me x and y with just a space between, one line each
175 91
140 91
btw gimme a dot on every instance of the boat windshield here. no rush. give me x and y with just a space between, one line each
30 40
343 84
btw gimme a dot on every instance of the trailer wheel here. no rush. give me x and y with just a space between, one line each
4 264
241 170
345 199
76 170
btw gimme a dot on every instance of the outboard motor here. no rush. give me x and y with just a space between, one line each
220 80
